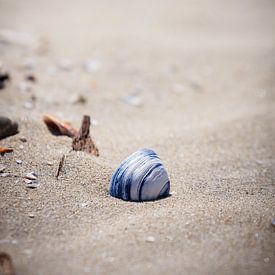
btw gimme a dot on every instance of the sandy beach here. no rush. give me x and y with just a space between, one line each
192 80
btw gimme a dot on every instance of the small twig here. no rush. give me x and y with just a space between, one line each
61 163
6 264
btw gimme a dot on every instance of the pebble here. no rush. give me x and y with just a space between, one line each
4 78
92 66
49 163
4 175
2 168
79 99
65 64
150 239
133 100
28 105
31 78
19 161
32 184
31 215
266 260
7 127
21 147
23 139
273 222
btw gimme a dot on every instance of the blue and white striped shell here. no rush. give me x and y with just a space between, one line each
140 177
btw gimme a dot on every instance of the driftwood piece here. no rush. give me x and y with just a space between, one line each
61 163
83 141
59 128
4 150
6 264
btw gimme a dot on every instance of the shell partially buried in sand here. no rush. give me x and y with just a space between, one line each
140 177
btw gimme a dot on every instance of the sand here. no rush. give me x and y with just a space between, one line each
201 77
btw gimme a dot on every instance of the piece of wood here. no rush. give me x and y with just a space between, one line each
83 141
59 128
61 163
4 150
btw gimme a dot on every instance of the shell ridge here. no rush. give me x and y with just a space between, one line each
128 189
119 177
154 183
166 189
145 177
129 175
143 164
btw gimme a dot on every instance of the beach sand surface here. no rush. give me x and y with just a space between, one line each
192 80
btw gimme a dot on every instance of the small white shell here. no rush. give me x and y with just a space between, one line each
140 177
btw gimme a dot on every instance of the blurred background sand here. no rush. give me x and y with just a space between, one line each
193 80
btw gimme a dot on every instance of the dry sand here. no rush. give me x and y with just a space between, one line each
204 74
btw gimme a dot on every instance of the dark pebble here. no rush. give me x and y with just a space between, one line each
7 127
23 139
31 78
3 79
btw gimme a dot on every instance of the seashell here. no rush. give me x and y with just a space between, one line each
31 176
31 183
140 177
